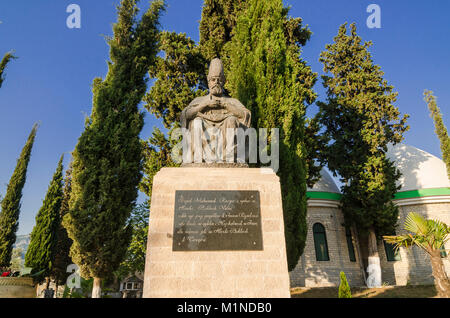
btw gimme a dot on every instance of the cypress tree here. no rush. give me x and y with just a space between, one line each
136 254
62 248
157 151
360 121
9 215
344 288
41 251
181 76
4 62
216 26
107 159
440 129
267 75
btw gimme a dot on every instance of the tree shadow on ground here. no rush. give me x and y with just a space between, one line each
419 291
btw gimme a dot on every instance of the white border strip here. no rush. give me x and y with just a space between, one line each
423 200
324 203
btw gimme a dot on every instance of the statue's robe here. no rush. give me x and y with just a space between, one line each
215 119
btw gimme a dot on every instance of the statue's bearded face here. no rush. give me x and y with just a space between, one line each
215 85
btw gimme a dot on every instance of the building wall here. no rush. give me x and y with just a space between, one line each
312 273
414 267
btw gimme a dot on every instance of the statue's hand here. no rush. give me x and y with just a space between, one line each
228 106
210 103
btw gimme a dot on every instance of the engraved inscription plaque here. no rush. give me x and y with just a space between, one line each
217 221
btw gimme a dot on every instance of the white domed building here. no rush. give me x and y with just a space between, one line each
425 189
332 248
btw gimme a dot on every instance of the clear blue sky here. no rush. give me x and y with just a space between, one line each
51 81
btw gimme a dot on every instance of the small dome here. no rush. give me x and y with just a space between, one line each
325 184
420 169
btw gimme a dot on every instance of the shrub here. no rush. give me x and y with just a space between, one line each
344 288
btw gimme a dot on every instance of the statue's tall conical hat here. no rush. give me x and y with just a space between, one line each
216 68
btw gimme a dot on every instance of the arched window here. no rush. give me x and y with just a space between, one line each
320 242
351 250
392 254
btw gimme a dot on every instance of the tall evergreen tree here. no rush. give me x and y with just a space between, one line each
181 76
136 254
9 215
267 74
216 26
41 251
360 120
107 159
3 63
157 151
440 129
62 249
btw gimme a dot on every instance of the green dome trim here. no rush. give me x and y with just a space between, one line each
320 195
421 193
324 195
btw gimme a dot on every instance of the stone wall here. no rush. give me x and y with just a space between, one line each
312 273
17 287
414 267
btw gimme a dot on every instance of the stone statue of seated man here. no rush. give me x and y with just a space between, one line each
212 119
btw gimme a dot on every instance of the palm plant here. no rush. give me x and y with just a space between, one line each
431 236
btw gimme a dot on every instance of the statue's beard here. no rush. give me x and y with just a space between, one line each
216 90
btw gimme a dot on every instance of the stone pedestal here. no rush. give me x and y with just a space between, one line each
211 266
17 287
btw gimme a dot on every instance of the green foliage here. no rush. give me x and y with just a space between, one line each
314 144
3 63
16 260
265 72
66 292
63 244
136 253
179 75
344 288
41 251
82 292
440 129
429 235
216 26
107 159
360 121
157 153
10 205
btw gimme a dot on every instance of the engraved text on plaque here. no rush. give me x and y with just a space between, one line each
217 221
